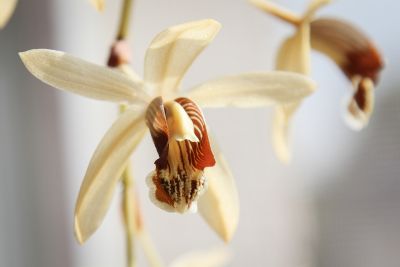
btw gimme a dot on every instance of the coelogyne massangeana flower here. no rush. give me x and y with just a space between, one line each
7 8
347 46
176 123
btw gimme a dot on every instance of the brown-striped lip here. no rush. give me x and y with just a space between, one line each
178 180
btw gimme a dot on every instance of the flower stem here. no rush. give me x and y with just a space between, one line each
125 18
127 178
129 216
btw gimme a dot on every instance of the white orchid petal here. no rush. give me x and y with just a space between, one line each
294 55
7 8
69 73
219 205
215 257
172 52
253 90
98 4
105 170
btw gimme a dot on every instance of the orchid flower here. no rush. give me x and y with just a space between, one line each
7 8
176 123
347 46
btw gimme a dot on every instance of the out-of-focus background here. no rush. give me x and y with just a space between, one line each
336 204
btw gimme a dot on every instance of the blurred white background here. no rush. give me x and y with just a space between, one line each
337 204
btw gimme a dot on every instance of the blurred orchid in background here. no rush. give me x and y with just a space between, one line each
176 123
347 46
7 8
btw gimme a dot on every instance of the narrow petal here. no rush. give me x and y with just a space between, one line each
104 171
351 49
277 11
361 104
178 180
7 8
253 90
294 55
312 8
98 4
215 257
69 73
172 52
219 205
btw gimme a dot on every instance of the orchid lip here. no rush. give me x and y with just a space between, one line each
180 135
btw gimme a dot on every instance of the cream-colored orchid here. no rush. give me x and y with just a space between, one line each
7 8
346 45
175 121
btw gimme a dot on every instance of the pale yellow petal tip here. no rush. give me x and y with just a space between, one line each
26 57
7 8
219 205
78 233
205 29
99 5
283 154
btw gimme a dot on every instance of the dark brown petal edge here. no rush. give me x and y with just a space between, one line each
348 46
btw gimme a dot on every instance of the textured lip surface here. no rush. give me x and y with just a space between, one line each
178 180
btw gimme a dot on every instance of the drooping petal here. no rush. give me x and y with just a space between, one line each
178 180
69 73
172 52
361 104
7 8
98 4
350 48
294 55
104 171
357 57
215 257
253 90
219 205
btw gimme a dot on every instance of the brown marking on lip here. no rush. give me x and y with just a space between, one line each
178 178
161 193
360 96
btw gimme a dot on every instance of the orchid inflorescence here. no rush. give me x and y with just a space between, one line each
190 172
